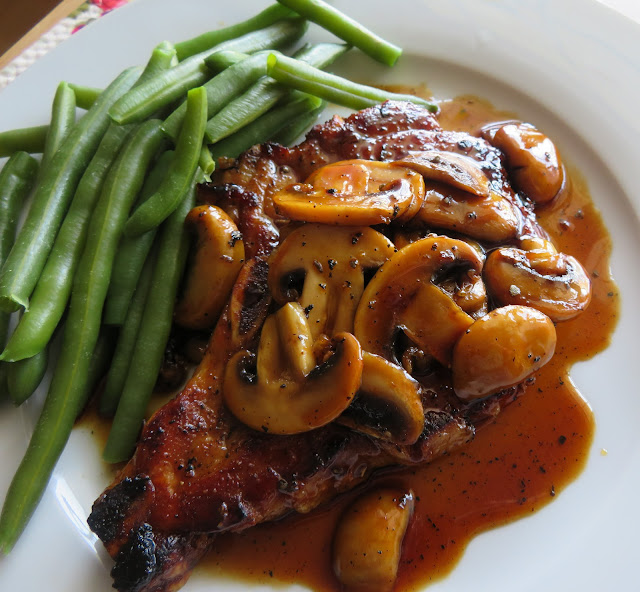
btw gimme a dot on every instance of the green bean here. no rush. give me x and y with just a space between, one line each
101 357
206 162
266 126
155 327
68 390
221 60
125 344
163 57
210 39
346 29
57 185
86 96
63 118
223 87
25 139
132 252
24 377
264 94
51 295
16 179
330 87
181 169
172 84
298 126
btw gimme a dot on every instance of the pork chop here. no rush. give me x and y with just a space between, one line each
197 470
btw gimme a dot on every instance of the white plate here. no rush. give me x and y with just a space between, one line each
572 66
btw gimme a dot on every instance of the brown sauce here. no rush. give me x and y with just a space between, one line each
515 466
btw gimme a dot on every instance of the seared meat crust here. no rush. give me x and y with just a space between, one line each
198 471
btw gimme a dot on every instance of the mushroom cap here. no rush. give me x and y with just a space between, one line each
501 350
553 283
388 404
489 218
323 267
402 295
450 168
219 255
535 167
270 393
353 192
367 543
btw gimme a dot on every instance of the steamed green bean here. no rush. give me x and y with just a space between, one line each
304 77
51 295
21 270
206 41
132 252
172 84
266 126
346 28
181 169
151 341
25 139
264 94
63 118
223 87
68 390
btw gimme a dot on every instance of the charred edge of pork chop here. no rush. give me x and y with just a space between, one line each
145 554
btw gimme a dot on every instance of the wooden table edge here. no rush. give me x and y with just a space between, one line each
61 11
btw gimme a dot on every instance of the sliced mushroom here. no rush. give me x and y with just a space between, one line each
323 267
451 169
402 296
489 218
532 160
551 282
281 390
219 255
353 192
388 404
367 544
501 350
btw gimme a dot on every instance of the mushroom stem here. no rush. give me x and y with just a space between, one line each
330 262
270 393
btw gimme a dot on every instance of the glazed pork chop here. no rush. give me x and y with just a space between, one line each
198 470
